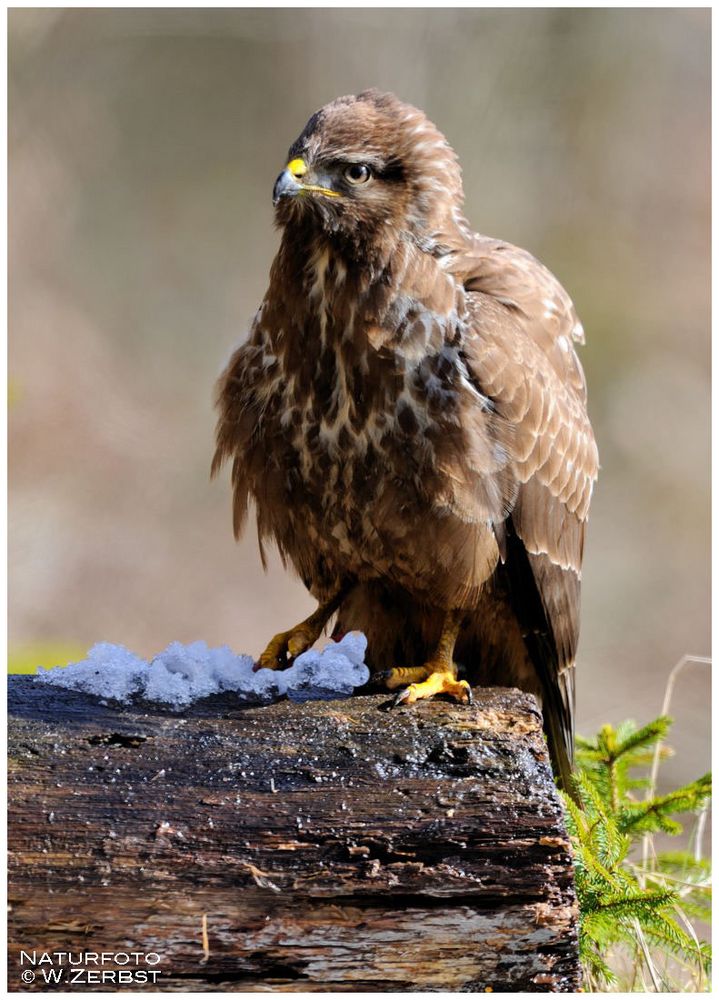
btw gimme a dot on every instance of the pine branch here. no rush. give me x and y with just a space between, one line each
624 905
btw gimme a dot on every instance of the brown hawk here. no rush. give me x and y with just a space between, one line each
409 417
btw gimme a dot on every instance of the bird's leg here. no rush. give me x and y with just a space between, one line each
285 646
439 674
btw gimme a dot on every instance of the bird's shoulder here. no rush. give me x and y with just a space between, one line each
532 301
522 328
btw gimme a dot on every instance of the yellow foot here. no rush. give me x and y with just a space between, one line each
438 681
285 646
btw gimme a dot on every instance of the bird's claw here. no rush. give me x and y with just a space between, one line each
460 692
265 663
298 643
285 647
401 698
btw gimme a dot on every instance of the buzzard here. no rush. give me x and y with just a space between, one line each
408 416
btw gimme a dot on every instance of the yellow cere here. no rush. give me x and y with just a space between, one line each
298 167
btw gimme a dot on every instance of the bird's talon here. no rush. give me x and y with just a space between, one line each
401 698
283 648
297 644
268 663
466 696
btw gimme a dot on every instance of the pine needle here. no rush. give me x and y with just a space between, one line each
637 905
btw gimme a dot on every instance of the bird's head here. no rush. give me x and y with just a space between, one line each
370 168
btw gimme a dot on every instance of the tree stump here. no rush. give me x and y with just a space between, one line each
317 847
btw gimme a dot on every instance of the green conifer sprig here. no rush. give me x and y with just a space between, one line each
636 905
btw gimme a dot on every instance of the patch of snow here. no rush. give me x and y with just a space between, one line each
181 675
336 671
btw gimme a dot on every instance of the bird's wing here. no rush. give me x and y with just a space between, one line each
239 400
520 349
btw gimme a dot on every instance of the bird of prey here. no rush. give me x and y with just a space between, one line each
408 416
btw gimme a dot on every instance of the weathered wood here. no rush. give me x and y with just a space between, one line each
329 846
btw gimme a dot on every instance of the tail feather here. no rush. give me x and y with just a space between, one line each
559 726
557 707
555 671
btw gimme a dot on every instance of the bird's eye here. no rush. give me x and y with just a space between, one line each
358 173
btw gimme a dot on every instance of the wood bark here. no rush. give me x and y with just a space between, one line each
325 846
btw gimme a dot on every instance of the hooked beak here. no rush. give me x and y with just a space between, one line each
292 182
286 185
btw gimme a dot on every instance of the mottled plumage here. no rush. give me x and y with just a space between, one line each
409 414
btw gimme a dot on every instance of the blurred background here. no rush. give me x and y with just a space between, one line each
143 149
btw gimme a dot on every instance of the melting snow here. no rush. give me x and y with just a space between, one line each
183 674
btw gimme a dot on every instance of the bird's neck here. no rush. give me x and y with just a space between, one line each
404 292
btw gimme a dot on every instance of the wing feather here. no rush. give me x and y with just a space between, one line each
520 349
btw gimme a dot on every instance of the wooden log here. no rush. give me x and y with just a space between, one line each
329 846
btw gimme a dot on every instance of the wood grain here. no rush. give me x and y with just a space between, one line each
329 846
